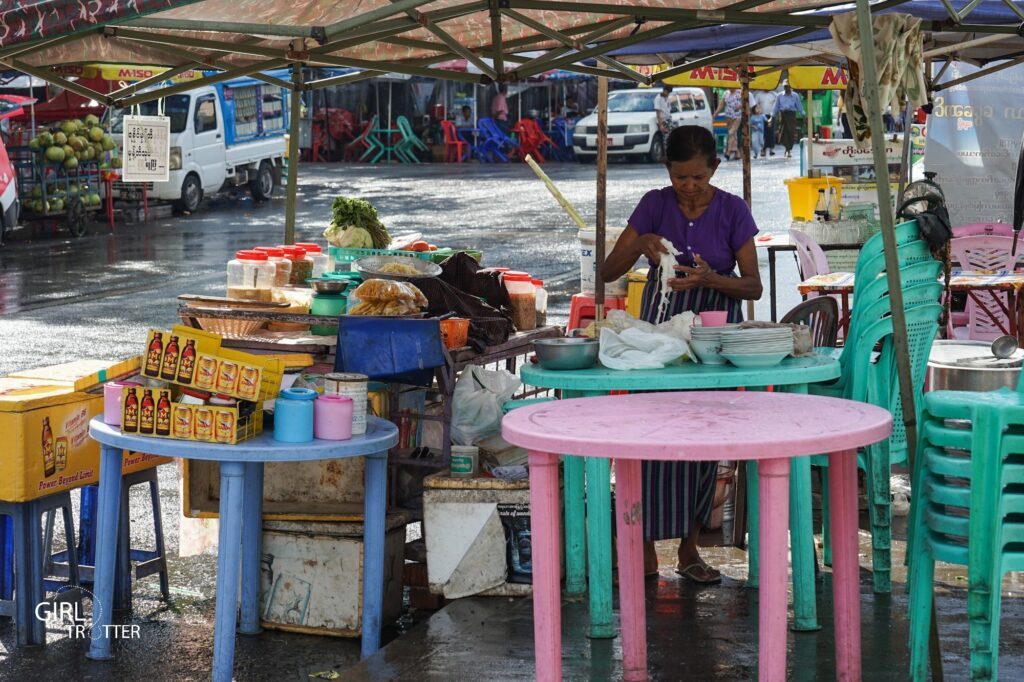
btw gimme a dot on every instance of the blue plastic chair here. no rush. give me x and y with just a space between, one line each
562 135
496 144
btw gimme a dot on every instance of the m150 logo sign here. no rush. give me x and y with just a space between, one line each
832 76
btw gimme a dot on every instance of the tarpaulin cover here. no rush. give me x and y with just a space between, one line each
471 29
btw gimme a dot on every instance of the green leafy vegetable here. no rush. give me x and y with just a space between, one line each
354 223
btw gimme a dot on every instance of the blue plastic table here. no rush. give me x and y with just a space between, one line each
793 375
241 510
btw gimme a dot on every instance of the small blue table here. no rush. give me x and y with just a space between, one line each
241 510
588 532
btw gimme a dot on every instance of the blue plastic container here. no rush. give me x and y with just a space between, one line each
390 349
293 415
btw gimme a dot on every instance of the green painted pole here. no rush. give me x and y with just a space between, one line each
599 547
575 527
873 107
293 154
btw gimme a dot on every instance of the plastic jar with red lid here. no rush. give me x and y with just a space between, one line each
523 298
250 276
542 302
317 255
283 266
302 267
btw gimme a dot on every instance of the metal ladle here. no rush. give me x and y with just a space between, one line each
1004 347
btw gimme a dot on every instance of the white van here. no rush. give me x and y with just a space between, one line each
224 135
633 125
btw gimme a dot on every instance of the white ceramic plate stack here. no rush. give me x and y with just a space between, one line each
757 347
706 342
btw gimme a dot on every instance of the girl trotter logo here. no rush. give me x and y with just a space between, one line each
68 613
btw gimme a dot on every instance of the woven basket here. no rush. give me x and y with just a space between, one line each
229 327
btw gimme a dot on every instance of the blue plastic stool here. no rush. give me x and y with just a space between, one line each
148 562
21 562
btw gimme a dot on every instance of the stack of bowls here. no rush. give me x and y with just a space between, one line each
757 347
706 342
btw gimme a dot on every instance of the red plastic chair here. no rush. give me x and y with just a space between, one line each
455 148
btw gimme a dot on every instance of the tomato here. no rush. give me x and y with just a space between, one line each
432 247
419 246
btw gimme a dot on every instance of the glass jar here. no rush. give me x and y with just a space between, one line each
302 267
523 299
317 255
283 272
542 302
250 276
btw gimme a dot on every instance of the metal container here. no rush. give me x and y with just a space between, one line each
354 386
970 366
567 353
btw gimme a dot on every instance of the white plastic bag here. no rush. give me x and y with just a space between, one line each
476 403
635 348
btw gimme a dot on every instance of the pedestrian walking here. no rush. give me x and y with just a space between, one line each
663 110
766 101
731 106
787 106
758 121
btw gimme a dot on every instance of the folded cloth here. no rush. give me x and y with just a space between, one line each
635 348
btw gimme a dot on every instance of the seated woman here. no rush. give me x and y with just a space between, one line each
714 232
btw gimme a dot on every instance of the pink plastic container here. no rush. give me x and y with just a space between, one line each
112 401
332 417
714 318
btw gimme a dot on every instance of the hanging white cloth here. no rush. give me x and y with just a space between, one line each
900 58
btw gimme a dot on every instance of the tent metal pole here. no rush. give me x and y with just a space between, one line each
745 151
499 62
810 128
905 155
735 52
451 43
293 154
346 25
963 45
873 108
978 74
51 77
227 27
227 47
341 80
602 194
152 80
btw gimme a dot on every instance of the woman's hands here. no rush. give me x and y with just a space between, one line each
650 246
697 276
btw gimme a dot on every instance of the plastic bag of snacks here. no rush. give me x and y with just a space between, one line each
387 298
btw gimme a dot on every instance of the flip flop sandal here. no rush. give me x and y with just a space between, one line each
690 573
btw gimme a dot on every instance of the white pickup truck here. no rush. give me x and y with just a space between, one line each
224 135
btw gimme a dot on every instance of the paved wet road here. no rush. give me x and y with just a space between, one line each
63 298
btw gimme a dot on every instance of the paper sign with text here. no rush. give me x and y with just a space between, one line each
147 148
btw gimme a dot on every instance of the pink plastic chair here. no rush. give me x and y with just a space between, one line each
810 257
981 252
978 229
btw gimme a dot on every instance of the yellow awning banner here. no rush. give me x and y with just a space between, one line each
818 77
122 72
723 77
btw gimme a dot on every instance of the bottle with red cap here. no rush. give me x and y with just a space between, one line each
302 267
282 266
250 276
317 255
542 302
523 298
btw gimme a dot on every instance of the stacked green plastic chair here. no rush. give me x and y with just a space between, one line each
967 508
374 148
410 142
869 372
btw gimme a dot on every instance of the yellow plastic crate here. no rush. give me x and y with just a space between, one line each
803 194
635 291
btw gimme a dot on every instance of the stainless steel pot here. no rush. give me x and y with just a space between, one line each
970 366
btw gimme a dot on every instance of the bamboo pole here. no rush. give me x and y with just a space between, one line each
293 154
569 208
899 321
602 188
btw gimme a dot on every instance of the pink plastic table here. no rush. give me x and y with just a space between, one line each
696 426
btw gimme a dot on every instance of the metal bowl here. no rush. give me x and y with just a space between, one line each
329 286
370 267
567 353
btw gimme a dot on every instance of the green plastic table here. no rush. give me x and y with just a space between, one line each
385 139
588 531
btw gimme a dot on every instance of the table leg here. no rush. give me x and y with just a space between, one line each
547 614
575 527
801 531
232 481
845 297
252 547
630 543
24 614
842 484
374 508
753 521
599 547
772 293
108 514
35 556
774 524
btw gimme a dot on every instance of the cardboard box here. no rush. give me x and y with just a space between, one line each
83 375
153 412
157 363
45 430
